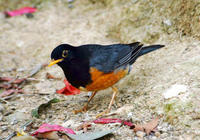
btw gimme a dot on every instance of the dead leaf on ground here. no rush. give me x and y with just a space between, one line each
91 135
148 127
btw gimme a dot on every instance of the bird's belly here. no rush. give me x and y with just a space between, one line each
102 81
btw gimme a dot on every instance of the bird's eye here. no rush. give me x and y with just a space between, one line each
64 53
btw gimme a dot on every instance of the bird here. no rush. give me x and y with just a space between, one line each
95 67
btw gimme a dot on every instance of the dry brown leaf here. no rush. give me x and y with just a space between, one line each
148 127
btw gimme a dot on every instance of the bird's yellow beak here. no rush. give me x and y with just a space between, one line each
54 62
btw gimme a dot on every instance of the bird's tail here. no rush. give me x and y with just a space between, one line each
149 49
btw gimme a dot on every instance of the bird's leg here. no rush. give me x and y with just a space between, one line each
115 91
84 109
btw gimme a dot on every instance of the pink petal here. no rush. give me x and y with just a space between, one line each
48 128
109 120
21 11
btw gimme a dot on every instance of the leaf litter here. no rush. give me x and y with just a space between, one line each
15 85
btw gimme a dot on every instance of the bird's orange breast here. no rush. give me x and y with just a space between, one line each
102 80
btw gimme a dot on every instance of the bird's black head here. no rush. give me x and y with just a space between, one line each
60 53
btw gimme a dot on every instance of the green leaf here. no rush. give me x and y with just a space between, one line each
36 112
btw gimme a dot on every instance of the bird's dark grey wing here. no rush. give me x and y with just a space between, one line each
109 58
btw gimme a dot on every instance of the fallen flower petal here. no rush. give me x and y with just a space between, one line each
68 89
21 11
49 128
112 120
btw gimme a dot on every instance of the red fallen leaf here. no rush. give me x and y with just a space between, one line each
5 79
9 92
21 11
110 120
12 80
49 128
6 86
68 89
18 81
148 127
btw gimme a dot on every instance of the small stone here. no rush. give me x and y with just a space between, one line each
70 1
164 135
4 128
140 134
157 134
167 22
1 108
70 6
43 116
154 138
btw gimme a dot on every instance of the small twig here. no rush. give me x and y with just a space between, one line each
24 127
16 95
36 69
2 100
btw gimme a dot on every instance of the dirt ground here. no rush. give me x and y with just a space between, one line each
27 42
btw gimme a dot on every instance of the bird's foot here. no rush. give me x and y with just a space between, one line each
103 113
84 109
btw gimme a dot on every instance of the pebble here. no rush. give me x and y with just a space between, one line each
1 108
4 128
70 6
164 135
167 22
69 1
154 138
157 134
140 134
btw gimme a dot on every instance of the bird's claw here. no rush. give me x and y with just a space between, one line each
84 109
